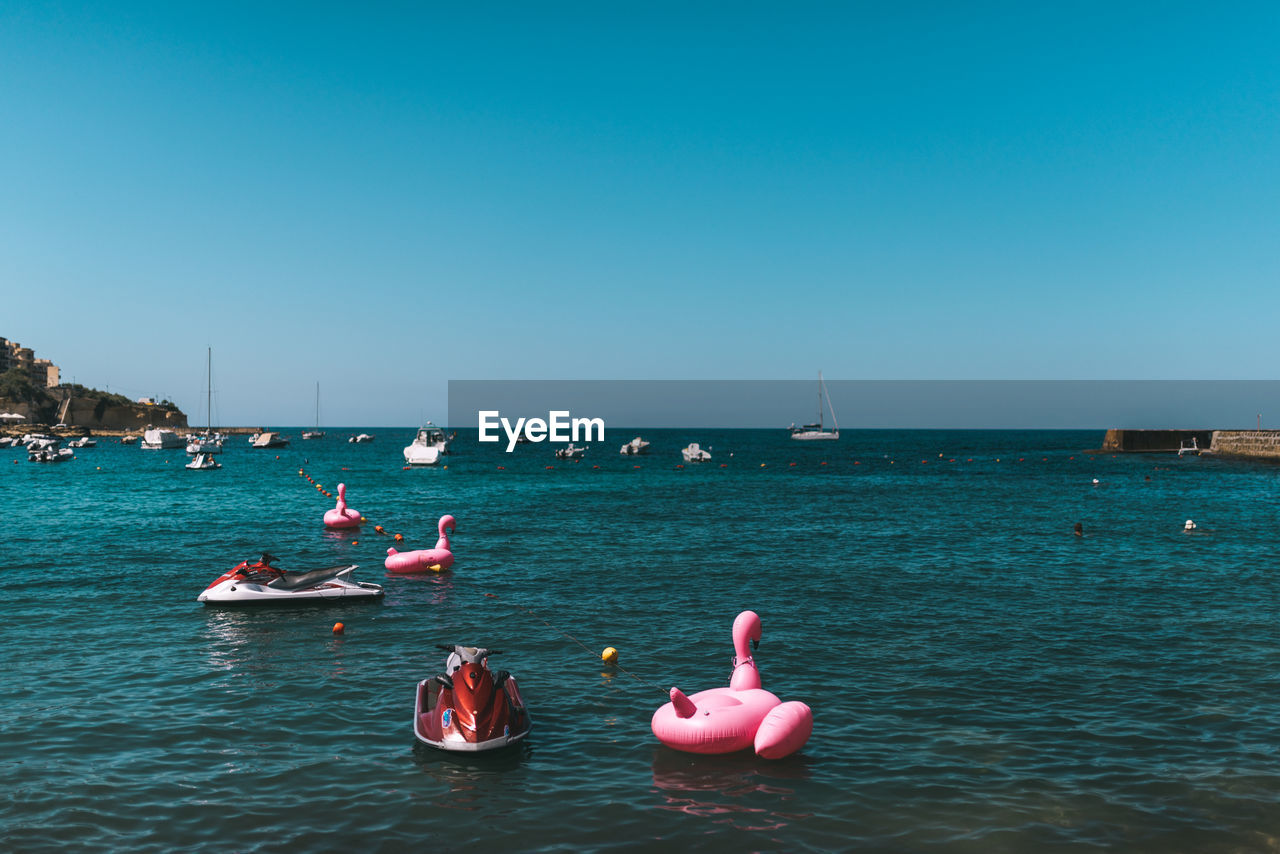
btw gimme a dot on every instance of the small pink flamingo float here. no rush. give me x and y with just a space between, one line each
342 516
725 720
424 560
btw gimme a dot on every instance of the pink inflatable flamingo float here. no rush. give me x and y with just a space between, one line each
342 516
724 720
424 560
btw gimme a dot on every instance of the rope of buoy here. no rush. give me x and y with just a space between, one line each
399 538
588 649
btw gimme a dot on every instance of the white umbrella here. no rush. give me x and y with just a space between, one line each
12 416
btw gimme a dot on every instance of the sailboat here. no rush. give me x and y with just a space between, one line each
316 433
207 442
812 432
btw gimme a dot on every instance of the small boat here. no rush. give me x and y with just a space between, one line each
260 583
268 439
46 449
160 439
205 443
694 454
83 442
1192 449
635 446
203 462
427 447
316 433
6 441
360 439
128 440
468 708
814 432
570 452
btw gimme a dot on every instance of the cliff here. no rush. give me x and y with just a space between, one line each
94 411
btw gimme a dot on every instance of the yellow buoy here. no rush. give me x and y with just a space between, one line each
609 656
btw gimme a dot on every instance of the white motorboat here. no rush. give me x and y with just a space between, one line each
570 452
694 454
1192 449
6 441
83 442
46 449
203 462
160 439
812 432
205 443
360 439
260 583
427 447
51 455
128 440
635 446
268 439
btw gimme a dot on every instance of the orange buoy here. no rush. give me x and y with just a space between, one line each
378 528
355 542
399 538
502 468
338 628
549 468
791 464
680 466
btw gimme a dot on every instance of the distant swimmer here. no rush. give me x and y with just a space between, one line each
1189 527
1095 481
1079 529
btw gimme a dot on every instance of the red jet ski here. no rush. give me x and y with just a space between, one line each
468 708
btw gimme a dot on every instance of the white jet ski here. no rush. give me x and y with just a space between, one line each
261 583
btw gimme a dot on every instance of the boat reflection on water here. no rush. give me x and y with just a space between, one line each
724 786
472 778
410 589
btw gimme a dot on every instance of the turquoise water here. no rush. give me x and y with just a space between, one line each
981 679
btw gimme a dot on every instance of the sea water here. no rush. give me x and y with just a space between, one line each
981 679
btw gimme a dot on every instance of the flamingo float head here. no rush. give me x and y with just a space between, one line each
446 521
342 496
746 629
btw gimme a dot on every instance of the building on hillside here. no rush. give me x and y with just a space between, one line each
43 373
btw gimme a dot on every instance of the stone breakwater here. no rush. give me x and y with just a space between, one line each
1261 444
1264 444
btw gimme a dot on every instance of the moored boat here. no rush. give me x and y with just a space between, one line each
695 454
160 439
818 432
427 447
634 447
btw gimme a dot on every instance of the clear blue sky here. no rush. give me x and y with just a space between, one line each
385 196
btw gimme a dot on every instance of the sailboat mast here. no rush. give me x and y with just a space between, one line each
317 404
208 385
819 401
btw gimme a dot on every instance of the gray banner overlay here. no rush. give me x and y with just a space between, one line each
878 404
